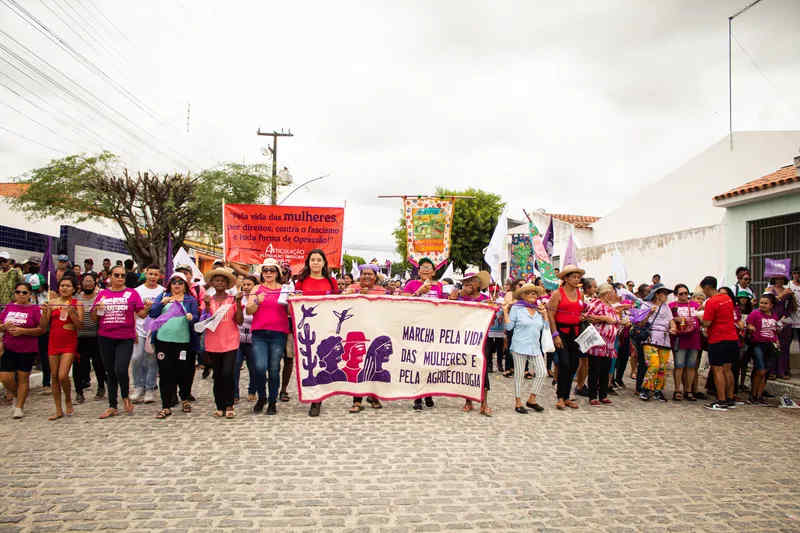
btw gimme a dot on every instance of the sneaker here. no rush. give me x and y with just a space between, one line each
149 396
737 401
594 402
18 412
80 398
786 402
644 396
429 401
763 402
137 395
658 395
583 391
271 410
315 409
613 391
418 405
193 399
259 406
101 393
46 391
716 406
730 404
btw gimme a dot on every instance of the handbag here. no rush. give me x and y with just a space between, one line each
641 332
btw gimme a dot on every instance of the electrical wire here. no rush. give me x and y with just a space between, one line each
21 136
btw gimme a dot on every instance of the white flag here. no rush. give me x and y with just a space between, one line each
182 258
497 252
449 271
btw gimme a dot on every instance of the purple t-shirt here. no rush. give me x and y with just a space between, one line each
24 316
766 326
119 319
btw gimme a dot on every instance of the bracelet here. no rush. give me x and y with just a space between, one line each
556 334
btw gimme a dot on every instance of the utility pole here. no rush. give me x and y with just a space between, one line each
730 69
274 151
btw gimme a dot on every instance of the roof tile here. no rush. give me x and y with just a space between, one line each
12 190
579 221
782 176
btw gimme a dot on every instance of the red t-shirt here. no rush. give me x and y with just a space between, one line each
719 311
317 287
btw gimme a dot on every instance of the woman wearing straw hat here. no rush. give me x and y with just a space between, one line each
223 342
564 312
473 283
528 320
270 329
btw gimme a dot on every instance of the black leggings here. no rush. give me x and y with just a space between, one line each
88 356
173 373
494 345
567 360
509 358
116 355
223 364
599 368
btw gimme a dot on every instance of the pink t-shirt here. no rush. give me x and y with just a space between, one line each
24 316
766 326
435 290
118 320
688 337
226 337
270 315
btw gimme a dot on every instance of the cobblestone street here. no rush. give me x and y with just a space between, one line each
632 466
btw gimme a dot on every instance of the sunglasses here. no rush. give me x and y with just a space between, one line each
21 292
117 275
745 279
274 271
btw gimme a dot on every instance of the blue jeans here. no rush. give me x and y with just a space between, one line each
268 350
684 358
145 367
245 354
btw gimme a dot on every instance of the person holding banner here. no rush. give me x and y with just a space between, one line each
174 312
473 283
424 287
115 310
315 280
564 312
527 319
222 340
270 329
366 285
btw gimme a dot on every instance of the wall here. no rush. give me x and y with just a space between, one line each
683 198
735 224
680 257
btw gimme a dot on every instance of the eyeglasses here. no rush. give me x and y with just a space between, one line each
21 292
117 275
745 279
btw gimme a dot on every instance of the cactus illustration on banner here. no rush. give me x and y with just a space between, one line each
521 257
307 339
543 264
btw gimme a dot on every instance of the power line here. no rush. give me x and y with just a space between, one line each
21 136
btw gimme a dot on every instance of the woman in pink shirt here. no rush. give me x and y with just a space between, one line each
223 342
763 327
270 329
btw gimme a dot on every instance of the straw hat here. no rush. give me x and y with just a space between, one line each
483 276
570 269
527 288
227 273
270 262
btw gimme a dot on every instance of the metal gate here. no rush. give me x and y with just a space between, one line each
774 238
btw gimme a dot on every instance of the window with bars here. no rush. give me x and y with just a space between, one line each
773 238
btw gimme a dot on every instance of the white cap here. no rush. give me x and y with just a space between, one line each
4 255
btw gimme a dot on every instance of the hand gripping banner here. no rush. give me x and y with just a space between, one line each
429 221
392 347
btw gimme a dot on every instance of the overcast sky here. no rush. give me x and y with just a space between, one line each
567 106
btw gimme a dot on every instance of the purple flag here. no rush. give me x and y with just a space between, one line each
47 267
548 238
774 268
570 254
153 324
168 266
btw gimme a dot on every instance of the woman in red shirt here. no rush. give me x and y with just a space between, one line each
63 314
565 308
315 280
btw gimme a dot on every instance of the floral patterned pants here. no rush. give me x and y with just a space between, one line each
657 359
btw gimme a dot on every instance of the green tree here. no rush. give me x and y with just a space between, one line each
473 223
148 207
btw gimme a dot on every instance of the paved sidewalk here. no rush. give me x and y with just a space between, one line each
632 466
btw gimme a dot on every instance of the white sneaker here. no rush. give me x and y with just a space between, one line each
18 412
137 395
149 396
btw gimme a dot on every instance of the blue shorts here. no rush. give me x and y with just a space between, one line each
763 353
684 358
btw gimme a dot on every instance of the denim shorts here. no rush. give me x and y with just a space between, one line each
684 358
763 353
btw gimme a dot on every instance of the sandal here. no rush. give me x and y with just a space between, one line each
677 396
467 407
355 409
187 406
55 417
690 397
485 411
108 413
251 397
230 413
164 413
374 402
560 405
219 414
284 397
571 404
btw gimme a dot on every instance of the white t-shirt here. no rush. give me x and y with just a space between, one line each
211 291
796 315
145 293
